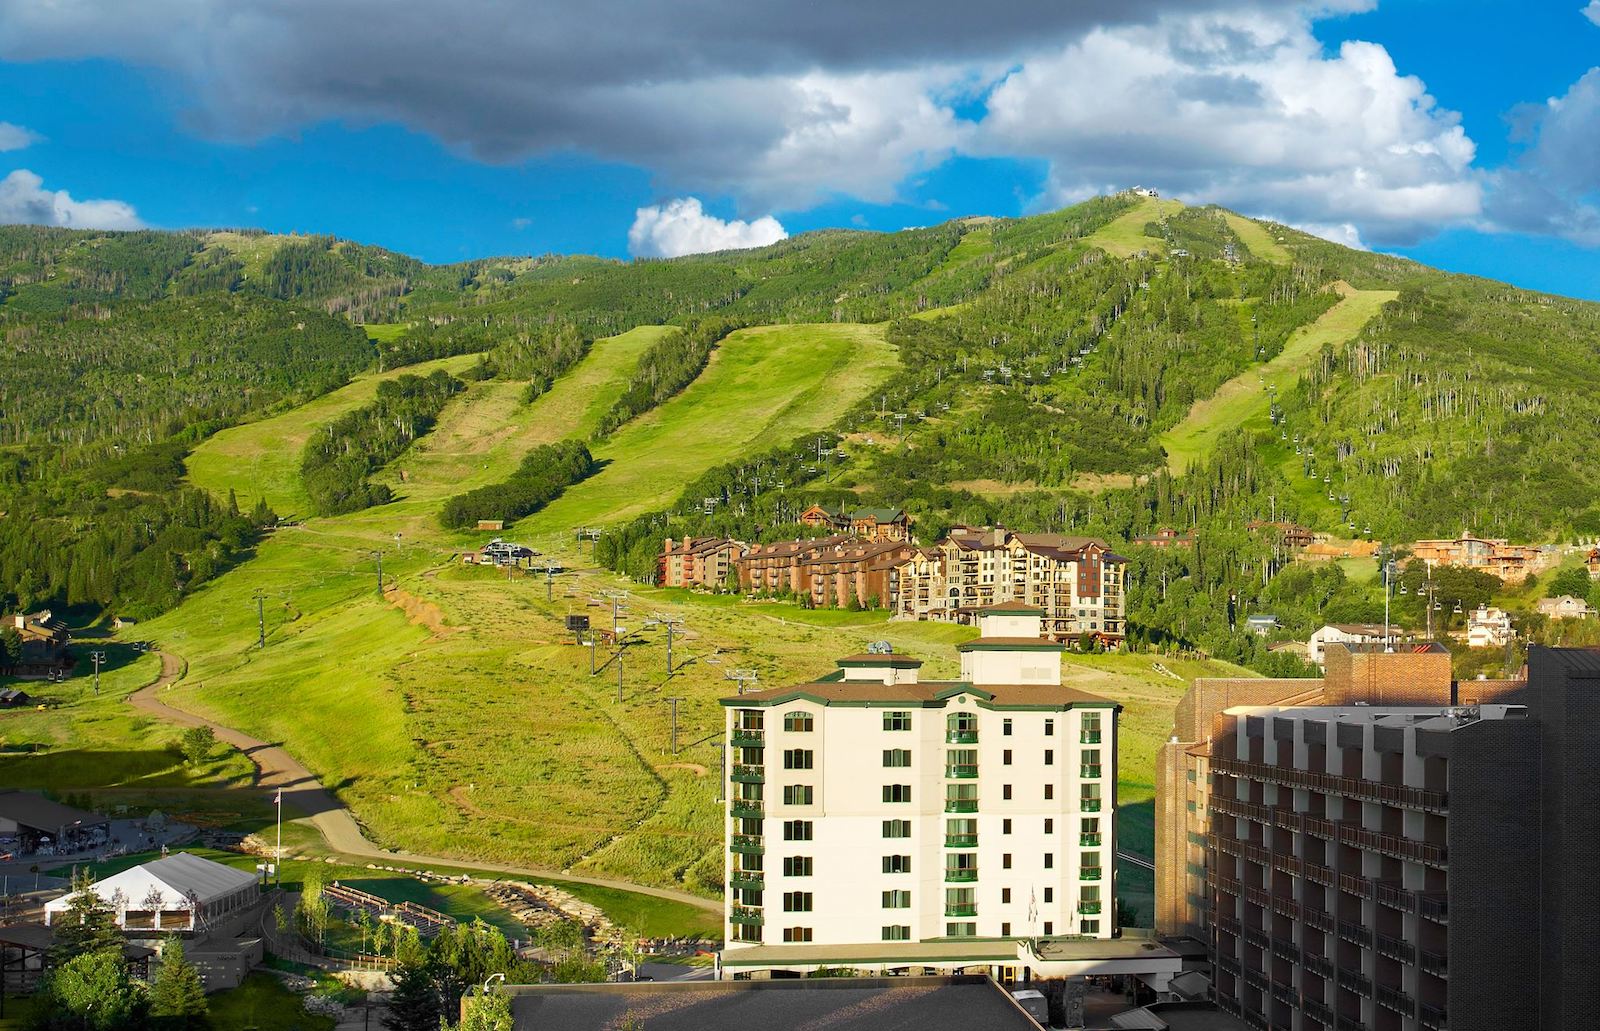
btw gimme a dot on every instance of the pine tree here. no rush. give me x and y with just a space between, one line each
88 925
178 998
414 1003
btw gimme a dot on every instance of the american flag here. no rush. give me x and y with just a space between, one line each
278 798
1033 906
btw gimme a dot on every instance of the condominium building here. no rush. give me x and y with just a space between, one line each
698 561
1386 848
1076 581
831 571
871 806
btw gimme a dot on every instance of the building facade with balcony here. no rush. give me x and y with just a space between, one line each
1387 848
933 818
1076 581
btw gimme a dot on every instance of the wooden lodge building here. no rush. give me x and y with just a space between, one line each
870 524
44 645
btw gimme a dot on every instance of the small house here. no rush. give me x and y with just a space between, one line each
1262 623
1564 607
491 524
1489 627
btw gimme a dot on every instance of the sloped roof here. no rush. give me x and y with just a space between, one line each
178 877
32 809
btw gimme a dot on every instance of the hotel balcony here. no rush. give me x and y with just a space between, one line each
960 841
749 738
1090 840
747 880
961 737
961 909
746 915
1090 873
961 805
961 874
961 771
750 807
747 844
747 774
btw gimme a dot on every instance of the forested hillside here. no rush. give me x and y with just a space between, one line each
1042 361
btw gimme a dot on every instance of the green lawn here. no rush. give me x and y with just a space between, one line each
262 1003
1123 236
1245 400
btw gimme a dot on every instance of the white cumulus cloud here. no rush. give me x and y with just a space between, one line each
23 199
1247 110
682 227
16 137
1335 232
1592 12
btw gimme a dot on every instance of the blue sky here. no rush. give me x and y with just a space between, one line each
1418 127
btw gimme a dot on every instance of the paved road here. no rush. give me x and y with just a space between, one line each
277 770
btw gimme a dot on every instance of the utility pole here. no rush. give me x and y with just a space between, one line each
261 618
549 582
674 703
621 648
97 658
379 556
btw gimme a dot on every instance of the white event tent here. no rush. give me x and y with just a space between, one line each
179 892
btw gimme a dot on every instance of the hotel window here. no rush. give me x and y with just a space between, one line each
1088 927
1049 894
1005 727
1005 896
1049 792
1005 826
896 864
797 794
897 721
1091 763
1091 866
797 902
1005 792
798 722
897 792
897 933
746 933
961 930
1005 861
797 830
1049 825
1049 860
897 828
797 866
1049 728
1005 757
1049 928
797 758
1049 757
1005 930
897 900
797 934
897 757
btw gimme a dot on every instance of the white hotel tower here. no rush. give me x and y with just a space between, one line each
877 818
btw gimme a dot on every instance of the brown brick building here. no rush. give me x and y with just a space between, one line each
829 570
1385 848
698 561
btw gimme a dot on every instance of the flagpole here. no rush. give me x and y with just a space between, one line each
278 857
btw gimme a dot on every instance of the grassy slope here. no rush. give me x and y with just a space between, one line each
1258 239
457 722
763 387
1245 399
1124 236
262 458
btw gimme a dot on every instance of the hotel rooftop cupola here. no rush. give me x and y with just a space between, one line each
1011 649
880 665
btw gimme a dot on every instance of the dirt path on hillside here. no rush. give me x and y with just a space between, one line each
277 770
